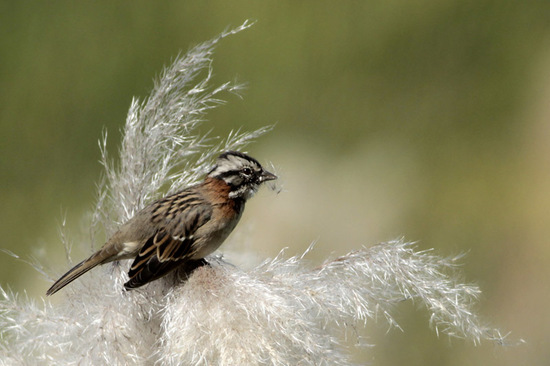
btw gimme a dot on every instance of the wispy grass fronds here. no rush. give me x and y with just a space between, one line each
283 312
280 312
161 148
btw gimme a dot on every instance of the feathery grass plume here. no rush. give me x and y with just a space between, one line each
280 312
283 312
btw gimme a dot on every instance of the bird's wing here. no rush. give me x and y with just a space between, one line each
171 246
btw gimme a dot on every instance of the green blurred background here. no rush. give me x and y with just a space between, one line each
426 119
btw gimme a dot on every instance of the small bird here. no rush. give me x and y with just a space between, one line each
180 229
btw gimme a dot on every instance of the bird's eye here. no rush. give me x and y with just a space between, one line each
247 171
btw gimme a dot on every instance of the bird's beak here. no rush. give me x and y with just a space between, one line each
265 176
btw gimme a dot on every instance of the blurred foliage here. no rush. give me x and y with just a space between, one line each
428 116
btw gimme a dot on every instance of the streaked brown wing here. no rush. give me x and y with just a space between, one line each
169 248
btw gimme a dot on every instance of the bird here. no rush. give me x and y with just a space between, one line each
179 230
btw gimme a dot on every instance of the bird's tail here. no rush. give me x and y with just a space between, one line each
77 271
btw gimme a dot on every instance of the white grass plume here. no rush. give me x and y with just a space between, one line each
281 312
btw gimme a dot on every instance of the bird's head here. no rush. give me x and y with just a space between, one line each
241 172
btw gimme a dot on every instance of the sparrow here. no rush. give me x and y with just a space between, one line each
182 228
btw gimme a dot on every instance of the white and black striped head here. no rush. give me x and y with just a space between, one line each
241 172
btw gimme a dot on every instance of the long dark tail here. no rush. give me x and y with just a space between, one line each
76 272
